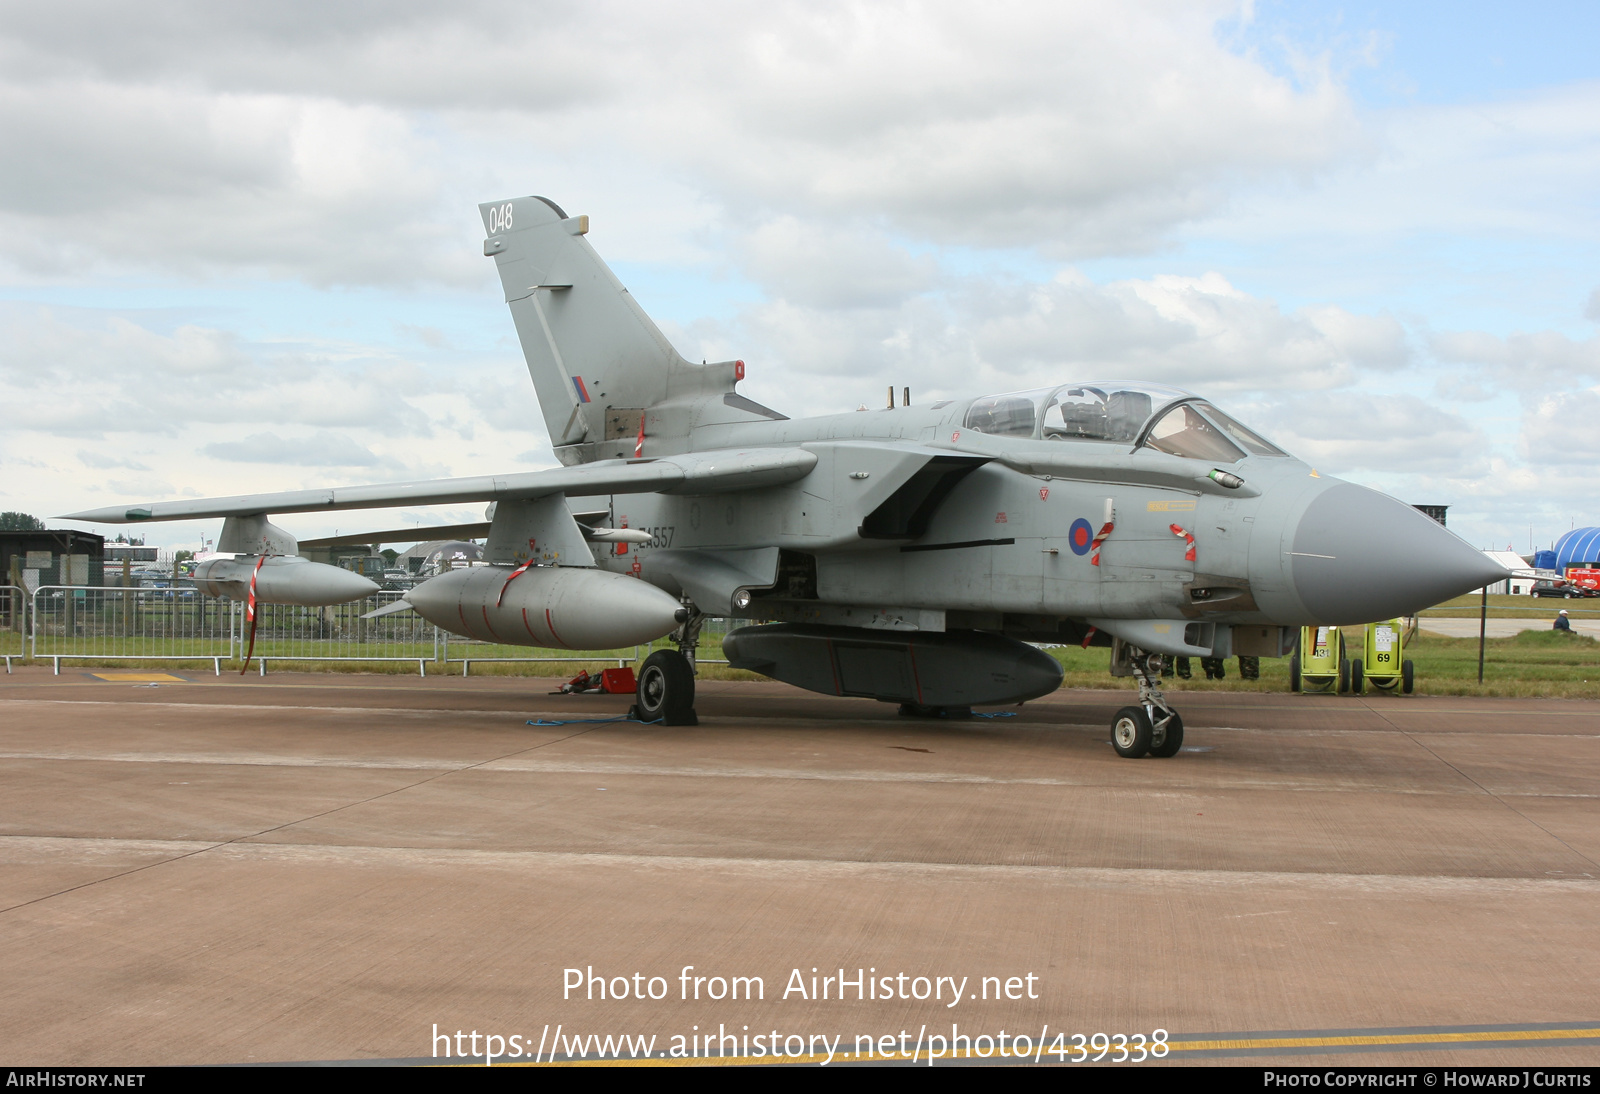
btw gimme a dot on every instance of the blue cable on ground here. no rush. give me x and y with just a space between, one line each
592 721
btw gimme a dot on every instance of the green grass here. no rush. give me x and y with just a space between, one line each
1534 663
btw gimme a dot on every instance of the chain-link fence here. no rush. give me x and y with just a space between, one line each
112 624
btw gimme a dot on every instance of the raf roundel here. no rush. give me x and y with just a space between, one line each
1080 536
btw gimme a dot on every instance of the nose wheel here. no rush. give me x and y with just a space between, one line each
1152 728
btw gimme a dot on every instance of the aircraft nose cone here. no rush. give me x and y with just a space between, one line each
1359 556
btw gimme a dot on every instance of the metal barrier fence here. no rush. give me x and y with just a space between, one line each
62 622
13 624
285 632
139 624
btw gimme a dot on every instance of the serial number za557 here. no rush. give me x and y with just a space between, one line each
660 536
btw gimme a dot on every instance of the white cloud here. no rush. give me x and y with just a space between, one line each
1510 170
104 461
351 150
825 266
202 412
1562 428
321 449
1523 358
965 337
107 175
72 373
1194 332
1387 433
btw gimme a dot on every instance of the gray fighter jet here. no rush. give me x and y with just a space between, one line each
916 555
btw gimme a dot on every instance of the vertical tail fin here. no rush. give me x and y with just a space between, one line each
596 359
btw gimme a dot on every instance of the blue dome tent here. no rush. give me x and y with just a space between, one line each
1579 547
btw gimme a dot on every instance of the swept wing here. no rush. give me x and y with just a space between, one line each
687 473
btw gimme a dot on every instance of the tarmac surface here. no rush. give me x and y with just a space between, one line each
336 868
1502 628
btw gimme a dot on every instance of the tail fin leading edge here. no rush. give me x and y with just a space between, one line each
590 348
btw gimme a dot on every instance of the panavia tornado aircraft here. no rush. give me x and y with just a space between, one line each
916 555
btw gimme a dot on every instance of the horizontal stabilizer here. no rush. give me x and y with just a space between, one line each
417 533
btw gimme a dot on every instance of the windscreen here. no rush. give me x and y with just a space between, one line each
1247 439
1184 431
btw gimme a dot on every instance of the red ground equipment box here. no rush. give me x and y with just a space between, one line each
619 681
608 681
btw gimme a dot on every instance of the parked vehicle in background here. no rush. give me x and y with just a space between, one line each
371 567
1558 586
398 580
1585 579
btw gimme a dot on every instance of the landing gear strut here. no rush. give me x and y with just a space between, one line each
1153 727
687 636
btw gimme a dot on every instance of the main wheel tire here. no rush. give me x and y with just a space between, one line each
666 689
1294 672
1131 732
1408 676
1168 740
1344 676
1358 684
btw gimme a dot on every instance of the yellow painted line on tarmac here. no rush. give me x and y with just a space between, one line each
139 677
1465 1037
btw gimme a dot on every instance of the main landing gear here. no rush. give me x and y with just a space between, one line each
666 679
1152 728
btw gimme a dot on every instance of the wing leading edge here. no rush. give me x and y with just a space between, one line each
688 473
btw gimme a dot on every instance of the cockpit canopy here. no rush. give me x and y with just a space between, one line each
1149 415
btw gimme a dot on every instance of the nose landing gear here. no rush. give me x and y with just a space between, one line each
1152 728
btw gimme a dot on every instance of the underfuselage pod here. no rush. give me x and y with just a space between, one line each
281 579
558 607
931 669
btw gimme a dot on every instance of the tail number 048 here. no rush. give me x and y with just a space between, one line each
500 219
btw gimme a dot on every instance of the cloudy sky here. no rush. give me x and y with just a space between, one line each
239 246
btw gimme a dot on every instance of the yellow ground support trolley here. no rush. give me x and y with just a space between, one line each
1319 662
1384 664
